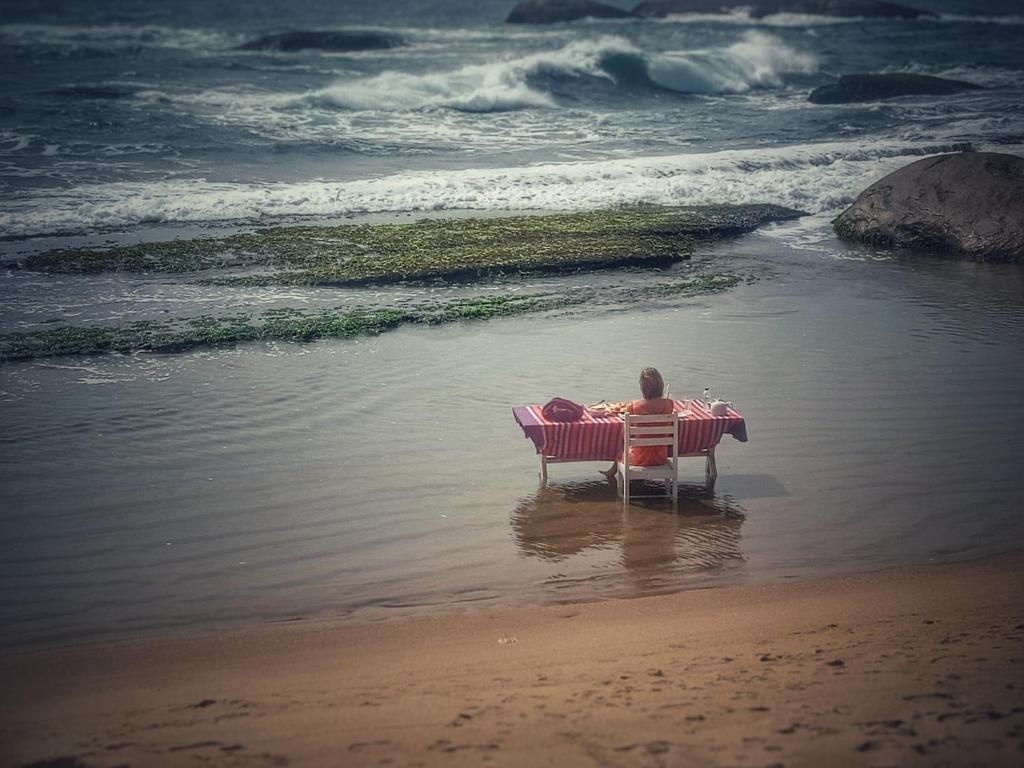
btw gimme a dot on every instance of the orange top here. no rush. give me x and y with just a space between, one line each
649 455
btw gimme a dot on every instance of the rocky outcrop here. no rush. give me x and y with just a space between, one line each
553 11
760 8
970 203
852 88
338 41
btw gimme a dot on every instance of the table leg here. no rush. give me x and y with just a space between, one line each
543 469
710 471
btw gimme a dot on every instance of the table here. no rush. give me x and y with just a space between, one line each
599 438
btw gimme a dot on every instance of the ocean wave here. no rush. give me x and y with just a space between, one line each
990 77
1012 20
112 36
309 120
742 17
497 86
476 88
757 60
598 69
19 144
11 141
811 177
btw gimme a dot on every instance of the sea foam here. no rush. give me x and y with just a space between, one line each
811 177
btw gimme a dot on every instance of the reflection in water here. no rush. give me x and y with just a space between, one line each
657 544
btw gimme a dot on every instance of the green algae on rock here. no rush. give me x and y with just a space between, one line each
304 325
183 334
432 249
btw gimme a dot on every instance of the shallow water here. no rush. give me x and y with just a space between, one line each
379 476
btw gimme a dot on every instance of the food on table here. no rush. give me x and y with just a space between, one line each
605 408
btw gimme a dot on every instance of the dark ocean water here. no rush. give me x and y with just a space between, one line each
373 477
124 114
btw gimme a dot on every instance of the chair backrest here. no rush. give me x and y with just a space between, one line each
654 429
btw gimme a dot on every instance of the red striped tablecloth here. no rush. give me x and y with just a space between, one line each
599 438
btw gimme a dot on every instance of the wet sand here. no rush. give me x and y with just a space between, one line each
914 666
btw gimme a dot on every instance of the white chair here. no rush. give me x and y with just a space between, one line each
659 429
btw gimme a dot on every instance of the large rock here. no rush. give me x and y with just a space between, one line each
760 8
328 40
659 9
553 11
970 203
851 88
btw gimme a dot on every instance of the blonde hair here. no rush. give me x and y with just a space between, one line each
651 384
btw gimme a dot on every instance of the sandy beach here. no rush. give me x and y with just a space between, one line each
914 666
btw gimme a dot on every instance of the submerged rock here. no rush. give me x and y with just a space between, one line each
659 9
970 203
852 88
553 11
760 8
433 248
327 40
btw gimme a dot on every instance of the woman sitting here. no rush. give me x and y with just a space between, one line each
652 387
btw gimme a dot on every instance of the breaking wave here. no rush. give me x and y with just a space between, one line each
758 60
